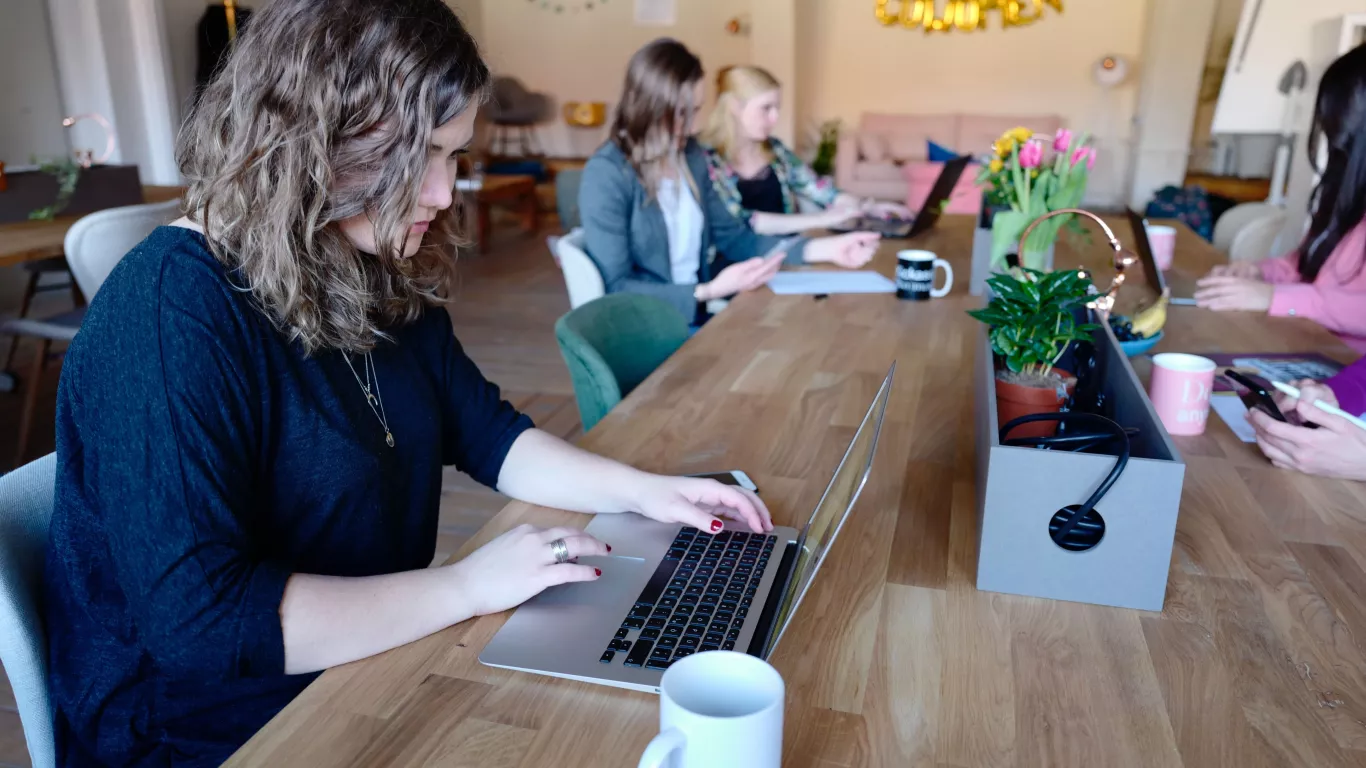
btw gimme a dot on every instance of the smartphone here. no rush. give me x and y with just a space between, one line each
783 246
734 477
1254 395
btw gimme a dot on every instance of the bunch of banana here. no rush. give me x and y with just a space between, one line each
1149 322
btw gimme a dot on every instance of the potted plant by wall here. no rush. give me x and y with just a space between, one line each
1032 320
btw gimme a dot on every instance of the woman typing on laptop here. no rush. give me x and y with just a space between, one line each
758 178
1325 278
253 421
652 222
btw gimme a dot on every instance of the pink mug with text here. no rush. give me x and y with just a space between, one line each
1180 389
1163 241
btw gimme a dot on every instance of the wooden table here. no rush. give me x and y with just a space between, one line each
500 189
897 660
35 240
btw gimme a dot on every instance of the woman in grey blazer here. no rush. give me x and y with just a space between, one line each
652 221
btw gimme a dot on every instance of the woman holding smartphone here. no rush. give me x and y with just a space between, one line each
652 222
252 424
1338 447
1325 278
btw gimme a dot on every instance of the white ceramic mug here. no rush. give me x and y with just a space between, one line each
719 709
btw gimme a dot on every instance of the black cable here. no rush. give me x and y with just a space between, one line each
1109 431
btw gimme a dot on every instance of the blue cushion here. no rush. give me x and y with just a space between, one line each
940 154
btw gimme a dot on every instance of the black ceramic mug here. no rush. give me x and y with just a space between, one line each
915 276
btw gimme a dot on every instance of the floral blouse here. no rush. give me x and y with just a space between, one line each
794 176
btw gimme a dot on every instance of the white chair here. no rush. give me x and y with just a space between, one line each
93 245
1256 240
581 275
25 509
1235 219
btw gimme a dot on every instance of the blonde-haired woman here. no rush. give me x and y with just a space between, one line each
252 424
756 176
651 220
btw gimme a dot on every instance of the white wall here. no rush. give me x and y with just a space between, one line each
1250 102
1173 61
850 63
31 123
582 56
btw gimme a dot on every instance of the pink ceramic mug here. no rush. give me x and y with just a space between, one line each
1163 241
1180 390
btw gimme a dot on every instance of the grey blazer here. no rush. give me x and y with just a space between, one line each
626 237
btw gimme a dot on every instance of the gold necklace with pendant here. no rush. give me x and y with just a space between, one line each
372 398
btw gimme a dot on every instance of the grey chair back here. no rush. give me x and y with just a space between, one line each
96 242
25 510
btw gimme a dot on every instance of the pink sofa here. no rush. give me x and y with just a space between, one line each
885 158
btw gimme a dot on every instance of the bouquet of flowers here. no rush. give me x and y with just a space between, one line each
1021 173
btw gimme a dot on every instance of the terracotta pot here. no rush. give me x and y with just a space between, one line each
1016 400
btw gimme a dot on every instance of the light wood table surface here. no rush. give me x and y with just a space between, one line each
1259 658
23 241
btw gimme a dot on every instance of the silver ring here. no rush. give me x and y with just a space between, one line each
561 551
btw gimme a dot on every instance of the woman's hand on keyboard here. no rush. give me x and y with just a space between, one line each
520 564
700 503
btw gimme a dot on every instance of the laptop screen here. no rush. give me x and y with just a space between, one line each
834 506
1154 276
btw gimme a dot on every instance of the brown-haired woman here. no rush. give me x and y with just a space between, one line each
652 221
252 423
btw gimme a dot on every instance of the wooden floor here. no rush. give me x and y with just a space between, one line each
504 314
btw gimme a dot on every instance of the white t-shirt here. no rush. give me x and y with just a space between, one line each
683 220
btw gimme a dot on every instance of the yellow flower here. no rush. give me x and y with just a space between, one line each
997 165
1004 146
1020 135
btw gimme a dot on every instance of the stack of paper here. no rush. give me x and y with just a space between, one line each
830 282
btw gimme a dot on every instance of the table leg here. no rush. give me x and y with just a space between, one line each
530 212
485 226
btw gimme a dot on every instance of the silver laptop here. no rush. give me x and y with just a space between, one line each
1156 279
667 592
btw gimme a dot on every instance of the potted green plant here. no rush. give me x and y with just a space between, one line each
1032 321
824 162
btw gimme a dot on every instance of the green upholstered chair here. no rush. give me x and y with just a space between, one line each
612 344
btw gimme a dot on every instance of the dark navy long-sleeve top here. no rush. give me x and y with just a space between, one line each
202 459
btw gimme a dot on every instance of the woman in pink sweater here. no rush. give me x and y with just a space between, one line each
1325 278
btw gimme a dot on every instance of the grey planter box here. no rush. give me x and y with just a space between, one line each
1020 489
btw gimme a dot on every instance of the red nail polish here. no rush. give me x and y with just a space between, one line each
609 547
716 525
597 571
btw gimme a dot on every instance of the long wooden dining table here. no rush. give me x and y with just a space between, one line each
895 658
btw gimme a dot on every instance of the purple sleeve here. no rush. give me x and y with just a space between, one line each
1350 388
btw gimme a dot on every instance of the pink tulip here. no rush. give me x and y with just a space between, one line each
1031 154
1085 154
1063 141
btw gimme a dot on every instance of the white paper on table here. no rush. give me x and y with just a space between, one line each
830 282
1234 414
656 13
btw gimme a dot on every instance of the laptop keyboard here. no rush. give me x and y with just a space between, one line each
696 600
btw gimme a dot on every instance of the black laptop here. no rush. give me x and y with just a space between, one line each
929 212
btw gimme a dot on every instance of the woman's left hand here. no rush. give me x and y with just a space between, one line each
886 210
699 502
1336 449
1221 293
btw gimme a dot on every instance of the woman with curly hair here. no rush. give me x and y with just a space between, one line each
253 420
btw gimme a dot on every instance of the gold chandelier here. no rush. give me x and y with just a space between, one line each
962 15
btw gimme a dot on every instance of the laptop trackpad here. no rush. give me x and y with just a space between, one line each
622 577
